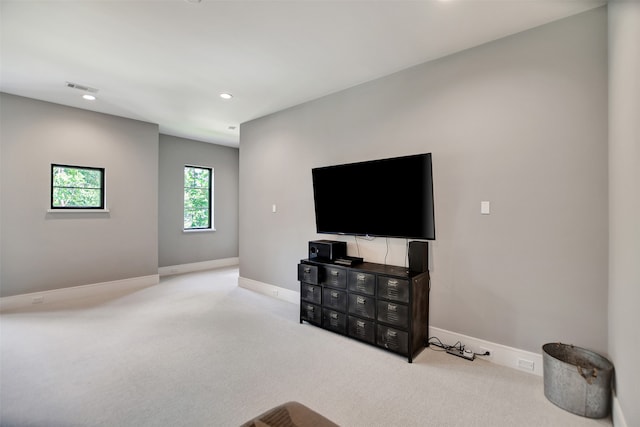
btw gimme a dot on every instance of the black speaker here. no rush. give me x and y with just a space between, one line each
418 256
327 249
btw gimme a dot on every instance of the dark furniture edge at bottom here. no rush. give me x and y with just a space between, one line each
417 328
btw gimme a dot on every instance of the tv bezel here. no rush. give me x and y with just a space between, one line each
428 198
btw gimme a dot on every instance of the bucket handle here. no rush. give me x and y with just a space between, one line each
588 376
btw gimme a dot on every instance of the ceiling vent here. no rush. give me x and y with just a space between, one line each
82 87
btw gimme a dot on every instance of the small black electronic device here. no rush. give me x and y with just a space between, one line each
327 249
349 261
418 256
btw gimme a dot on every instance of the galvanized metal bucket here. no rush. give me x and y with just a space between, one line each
577 380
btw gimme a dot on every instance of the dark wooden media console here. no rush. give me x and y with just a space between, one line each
383 305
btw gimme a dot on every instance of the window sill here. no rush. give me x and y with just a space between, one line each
199 230
77 210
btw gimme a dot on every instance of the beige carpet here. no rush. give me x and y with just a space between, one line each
196 350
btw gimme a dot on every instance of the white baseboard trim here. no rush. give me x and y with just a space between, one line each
521 360
75 292
616 413
500 354
197 266
269 290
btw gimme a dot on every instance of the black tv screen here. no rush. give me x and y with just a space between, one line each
390 197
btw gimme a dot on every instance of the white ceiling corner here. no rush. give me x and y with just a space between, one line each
167 61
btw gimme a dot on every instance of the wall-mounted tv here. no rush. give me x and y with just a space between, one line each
389 197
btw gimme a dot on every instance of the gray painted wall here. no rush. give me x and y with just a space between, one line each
175 246
521 122
43 251
624 199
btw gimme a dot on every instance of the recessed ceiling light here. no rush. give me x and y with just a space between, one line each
89 97
226 96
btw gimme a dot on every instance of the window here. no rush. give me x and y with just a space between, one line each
197 198
77 187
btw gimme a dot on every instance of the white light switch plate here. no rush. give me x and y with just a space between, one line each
485 207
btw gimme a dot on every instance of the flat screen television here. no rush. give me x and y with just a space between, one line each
389 198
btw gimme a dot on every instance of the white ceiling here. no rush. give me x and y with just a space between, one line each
167 61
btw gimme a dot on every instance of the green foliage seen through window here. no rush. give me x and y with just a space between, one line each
197 197
77 187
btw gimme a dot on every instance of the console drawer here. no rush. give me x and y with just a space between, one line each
382 305
308 273
311 313
335 276
364 283
394 314
334 320
393 289
311 293
335 299
362 329
362 306
393 339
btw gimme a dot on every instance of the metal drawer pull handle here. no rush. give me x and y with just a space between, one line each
307 270
392 334
334 294
393 283
392 307
361 277
334 315
310 288
360 300
360 324
310 308
335 272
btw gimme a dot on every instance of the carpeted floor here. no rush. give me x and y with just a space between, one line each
196 350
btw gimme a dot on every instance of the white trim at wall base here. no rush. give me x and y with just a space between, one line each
515 358
500 354
269 290
198 266
616 413
76 292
